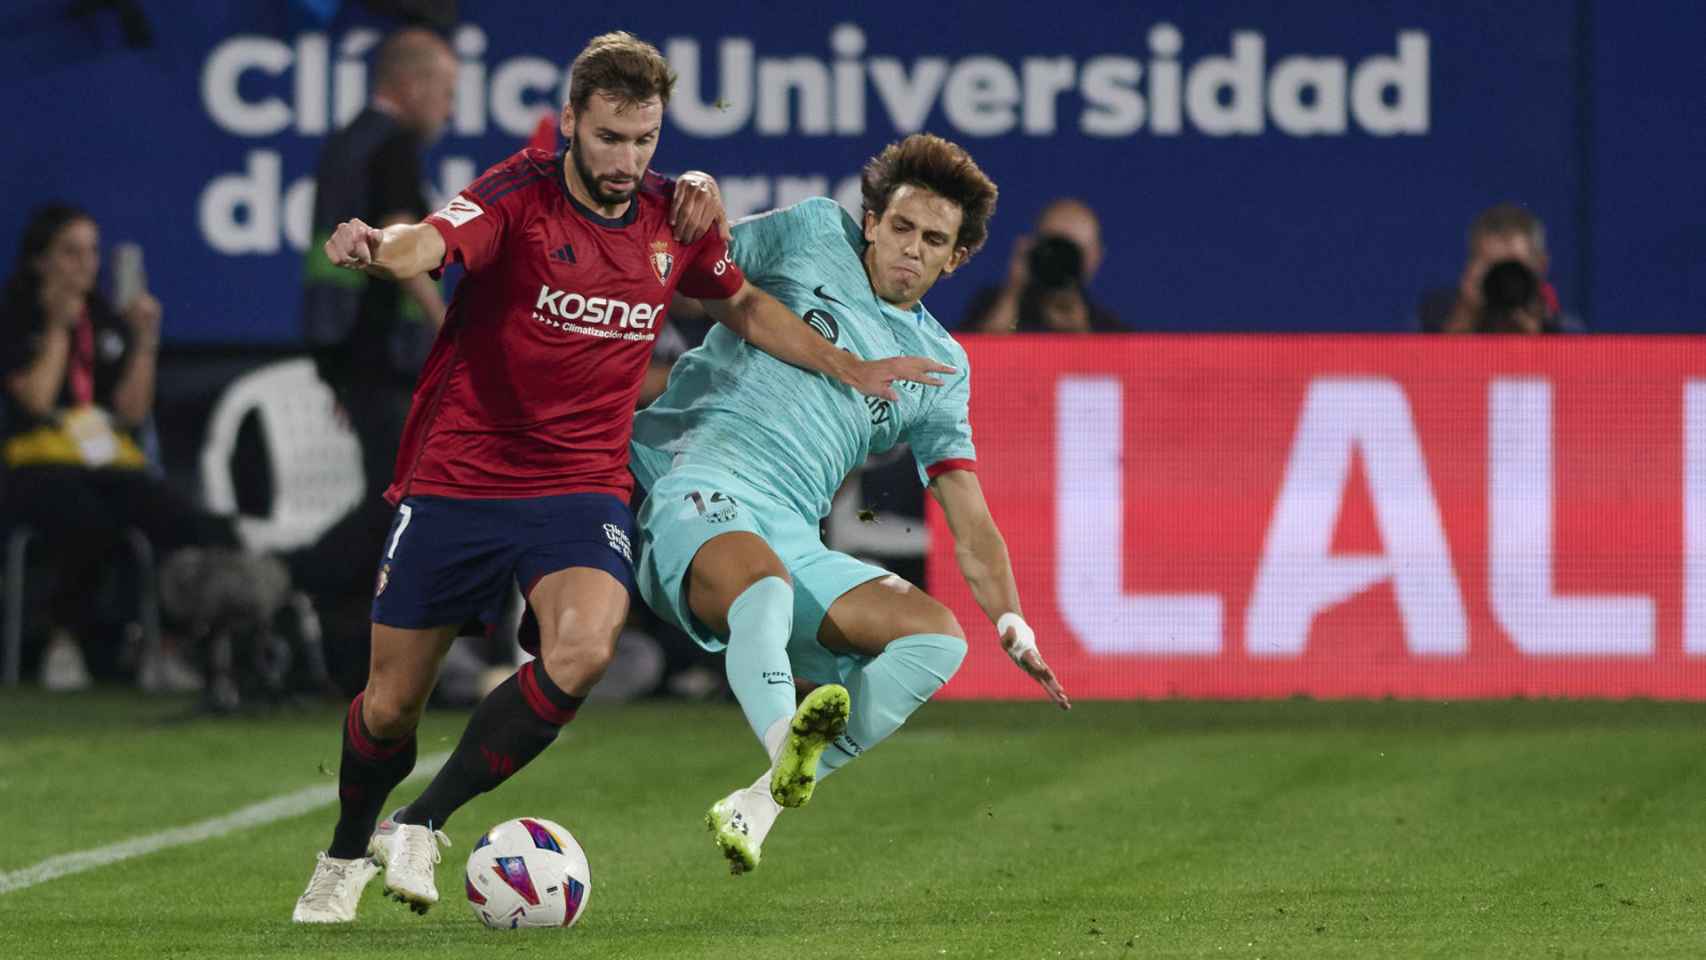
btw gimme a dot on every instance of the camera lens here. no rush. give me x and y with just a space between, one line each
1508 285
1056 263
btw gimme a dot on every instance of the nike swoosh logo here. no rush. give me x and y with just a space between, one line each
784 682
825 296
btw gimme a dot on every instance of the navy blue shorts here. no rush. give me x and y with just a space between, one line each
448 561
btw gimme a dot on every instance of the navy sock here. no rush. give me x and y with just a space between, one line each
514 724
370 769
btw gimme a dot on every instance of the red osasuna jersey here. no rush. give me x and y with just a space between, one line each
530 387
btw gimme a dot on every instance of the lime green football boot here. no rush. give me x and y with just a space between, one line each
821 717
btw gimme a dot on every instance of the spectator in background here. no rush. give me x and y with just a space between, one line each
1048 276
1499 234
79 382
369 336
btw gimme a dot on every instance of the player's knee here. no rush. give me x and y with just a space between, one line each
946 649
958 649
577 672
724 571
774 590
577 658
734 584
389 716
938 619
938 631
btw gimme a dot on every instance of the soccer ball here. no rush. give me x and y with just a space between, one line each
528 872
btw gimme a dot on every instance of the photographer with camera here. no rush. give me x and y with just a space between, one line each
1501 235
1047 277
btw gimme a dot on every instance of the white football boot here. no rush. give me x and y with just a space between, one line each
334 890
408 853
740 821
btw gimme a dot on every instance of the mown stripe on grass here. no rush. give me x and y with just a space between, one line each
281 807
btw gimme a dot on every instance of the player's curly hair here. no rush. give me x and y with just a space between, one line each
940 166
621 65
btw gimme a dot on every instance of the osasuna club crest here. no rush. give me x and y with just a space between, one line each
662 260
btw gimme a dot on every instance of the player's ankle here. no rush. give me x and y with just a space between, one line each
337 853
408 816
776 736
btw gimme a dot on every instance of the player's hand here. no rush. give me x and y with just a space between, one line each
1021 645
354 245
698 206
872 377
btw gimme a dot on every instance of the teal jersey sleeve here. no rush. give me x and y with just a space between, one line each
941 440
764 242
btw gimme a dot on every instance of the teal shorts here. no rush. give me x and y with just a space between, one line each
694 503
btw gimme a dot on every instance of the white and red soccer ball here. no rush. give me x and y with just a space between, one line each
528 872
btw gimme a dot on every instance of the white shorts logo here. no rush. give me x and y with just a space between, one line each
459 211
618 541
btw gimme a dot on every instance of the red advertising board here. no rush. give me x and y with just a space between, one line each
1344 516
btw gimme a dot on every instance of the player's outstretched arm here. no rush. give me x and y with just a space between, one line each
421 289
398 252
982 555
765 323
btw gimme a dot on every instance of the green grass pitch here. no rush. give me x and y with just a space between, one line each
1285 829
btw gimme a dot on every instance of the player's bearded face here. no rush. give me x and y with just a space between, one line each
611 145
912 244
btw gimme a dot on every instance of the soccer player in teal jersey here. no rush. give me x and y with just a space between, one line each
742 454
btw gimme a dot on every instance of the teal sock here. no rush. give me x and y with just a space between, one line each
888 689
760 620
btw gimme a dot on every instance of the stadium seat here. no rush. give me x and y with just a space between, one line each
12 631
315 461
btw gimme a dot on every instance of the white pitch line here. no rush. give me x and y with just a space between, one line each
267 811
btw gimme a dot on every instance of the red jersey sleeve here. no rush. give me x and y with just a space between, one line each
473 222
472 232
711 273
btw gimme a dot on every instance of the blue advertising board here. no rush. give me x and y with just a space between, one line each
1255 166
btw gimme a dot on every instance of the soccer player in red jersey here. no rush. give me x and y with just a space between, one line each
514 459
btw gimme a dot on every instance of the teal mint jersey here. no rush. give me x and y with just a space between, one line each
793 431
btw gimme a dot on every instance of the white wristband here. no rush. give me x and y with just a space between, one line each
1024 638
